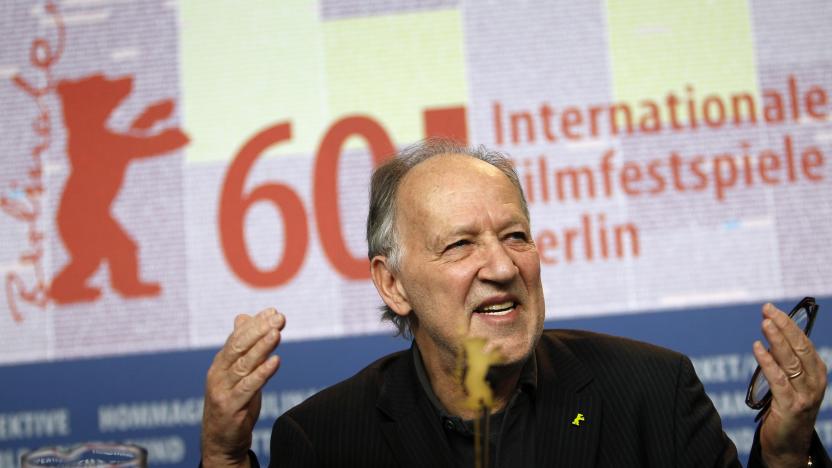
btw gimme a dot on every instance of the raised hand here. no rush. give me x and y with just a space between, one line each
797 376
233 388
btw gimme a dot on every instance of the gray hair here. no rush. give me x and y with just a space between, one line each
382 235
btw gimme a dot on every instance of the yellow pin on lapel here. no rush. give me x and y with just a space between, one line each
578 419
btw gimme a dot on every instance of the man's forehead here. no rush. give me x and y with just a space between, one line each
446 183
442 170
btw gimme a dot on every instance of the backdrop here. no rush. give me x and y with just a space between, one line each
168 165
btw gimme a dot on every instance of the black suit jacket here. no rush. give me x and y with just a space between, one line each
642 406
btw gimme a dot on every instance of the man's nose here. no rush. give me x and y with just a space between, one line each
497 265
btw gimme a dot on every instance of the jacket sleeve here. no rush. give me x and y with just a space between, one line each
252 460
820 458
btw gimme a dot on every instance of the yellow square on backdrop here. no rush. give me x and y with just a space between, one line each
657 47
393 67
246 66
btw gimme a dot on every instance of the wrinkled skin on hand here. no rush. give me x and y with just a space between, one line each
233 388
787 428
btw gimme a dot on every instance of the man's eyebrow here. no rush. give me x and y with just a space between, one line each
463 230
514 220
456 231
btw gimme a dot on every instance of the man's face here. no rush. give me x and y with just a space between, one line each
469 265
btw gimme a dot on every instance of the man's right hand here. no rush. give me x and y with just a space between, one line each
233 387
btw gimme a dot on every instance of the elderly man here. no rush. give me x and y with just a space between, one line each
452 257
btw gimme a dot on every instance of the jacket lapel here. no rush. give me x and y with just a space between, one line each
406 418
568 413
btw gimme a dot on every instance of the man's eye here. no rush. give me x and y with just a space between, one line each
459 243
519 235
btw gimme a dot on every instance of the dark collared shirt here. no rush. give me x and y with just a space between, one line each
511 431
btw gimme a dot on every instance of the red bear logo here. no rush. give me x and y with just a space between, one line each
99 158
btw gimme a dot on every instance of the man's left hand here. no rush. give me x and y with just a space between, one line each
797 377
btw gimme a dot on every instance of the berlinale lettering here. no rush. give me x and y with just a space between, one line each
717 173
651 117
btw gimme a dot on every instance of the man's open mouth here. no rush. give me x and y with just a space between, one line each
502 308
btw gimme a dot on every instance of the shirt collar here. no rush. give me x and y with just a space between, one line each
526 383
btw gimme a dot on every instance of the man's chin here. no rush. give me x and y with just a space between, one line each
512 353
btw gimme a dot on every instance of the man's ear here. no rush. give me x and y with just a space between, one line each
388 286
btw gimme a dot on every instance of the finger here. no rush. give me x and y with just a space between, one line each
221 357
801 345
244 335
248 362
783 354
782 392
247 387
240 320
249 332
813 377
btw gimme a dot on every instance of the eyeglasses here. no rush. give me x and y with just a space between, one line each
759 390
